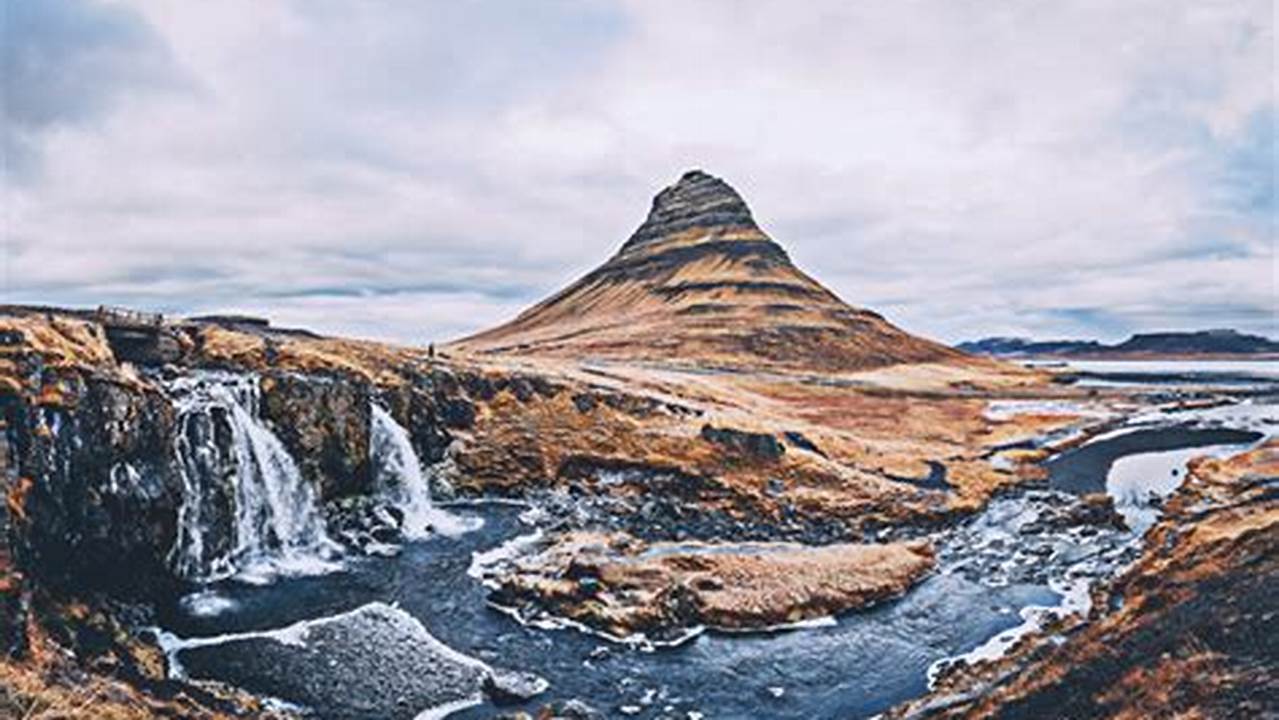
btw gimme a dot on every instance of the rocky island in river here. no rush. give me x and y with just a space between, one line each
695 483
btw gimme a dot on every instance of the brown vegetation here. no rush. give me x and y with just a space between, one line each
620 585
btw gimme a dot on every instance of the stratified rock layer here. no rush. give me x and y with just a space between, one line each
700 281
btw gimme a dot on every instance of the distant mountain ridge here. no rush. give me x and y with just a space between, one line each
1202 342
700 282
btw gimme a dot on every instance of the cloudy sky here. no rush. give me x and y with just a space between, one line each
415 171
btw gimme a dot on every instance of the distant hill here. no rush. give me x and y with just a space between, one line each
700 282
1024 347
1161 344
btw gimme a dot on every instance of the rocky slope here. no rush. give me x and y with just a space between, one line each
1182 633
699 282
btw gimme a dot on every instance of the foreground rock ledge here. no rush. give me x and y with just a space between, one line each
621 586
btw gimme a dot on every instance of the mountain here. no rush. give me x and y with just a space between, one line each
1020 347
1203 342
699 280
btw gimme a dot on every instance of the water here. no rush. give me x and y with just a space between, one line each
1139 483
1001 575
1257 374
246 510
1259 369
402 483
860 665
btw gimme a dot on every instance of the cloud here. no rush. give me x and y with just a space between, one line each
67 63
421 169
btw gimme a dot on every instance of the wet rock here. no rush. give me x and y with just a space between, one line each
570 710
105 492
508 687
362 522
324 423
458 414
374 663
1095 511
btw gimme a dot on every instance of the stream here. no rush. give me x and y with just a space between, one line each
306 640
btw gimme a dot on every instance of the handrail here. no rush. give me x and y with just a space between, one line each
121 316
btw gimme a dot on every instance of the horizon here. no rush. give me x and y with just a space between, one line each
417 174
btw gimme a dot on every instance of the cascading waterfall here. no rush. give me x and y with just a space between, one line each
402 483
246 510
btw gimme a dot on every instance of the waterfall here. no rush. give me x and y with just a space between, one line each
246 510
401 482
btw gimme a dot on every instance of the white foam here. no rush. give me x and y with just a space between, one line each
439 712
275 527
483 563
640 641
402 481
207 603
1075 599
814 623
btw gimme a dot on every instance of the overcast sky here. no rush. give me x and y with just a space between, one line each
414 171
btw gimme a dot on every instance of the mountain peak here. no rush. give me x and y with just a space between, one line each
700 283
697 201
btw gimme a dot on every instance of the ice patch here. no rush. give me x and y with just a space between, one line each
1139 482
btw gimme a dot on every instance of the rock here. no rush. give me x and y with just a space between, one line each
570 710
1094 510
325 426
373 662
106 492
759 446
458 414
507 687
798 440
620 586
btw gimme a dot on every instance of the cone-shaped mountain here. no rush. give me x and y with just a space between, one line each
700 283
